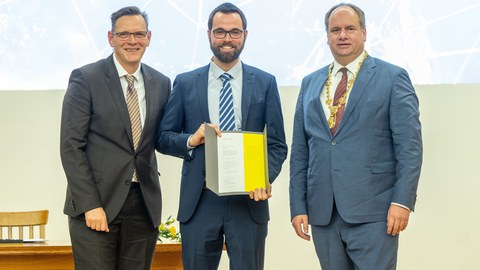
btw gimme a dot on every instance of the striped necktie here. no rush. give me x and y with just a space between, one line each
134 112
226 112
341 89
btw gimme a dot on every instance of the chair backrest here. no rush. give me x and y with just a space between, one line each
17 221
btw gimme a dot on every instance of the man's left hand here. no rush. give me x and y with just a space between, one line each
397 219
261 194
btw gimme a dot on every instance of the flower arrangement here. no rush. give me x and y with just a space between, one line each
168 231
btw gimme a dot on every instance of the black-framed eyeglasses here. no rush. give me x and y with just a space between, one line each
126 35
234 33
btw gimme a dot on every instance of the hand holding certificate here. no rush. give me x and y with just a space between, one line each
237 163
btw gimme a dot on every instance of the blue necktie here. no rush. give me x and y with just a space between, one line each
226 113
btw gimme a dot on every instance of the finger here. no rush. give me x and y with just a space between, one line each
103 226
298 230
217 130
268 190
305 228
405 224
396 227
263 194
258 194
251 195
304 232
389 227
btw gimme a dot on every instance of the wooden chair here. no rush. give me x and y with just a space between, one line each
17 221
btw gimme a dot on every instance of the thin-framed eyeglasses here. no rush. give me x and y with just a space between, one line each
126 35
221 33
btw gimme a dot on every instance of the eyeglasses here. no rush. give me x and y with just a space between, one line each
234 33
126 35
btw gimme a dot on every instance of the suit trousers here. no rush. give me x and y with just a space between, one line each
218 219
130 244
364 246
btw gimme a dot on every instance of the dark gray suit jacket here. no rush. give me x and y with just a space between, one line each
96 142
187 109
373 160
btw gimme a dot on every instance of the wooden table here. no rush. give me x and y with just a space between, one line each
56 255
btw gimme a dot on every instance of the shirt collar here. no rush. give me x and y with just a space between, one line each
352 66
216 71
122 72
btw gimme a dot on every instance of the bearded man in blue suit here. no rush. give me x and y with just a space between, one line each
356 158
207 220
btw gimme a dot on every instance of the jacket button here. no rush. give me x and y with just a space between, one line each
334 143
127 182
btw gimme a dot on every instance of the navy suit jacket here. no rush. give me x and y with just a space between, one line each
96 142
187 109
373 160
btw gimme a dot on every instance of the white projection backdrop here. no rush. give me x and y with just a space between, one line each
41 41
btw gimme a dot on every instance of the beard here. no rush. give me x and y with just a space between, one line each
226 57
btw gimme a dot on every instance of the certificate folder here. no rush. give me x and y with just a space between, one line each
237 162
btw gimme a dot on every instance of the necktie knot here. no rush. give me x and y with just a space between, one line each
225 77
130 81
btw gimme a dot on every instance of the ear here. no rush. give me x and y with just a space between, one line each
149 36
110 38
209 35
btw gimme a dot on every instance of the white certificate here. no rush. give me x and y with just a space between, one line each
235 163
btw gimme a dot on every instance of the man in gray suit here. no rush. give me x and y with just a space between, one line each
356 152
208 220
109 120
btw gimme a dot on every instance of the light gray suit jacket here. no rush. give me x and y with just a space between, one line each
373 160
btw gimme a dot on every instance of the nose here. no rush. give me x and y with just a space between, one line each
131 38
228 37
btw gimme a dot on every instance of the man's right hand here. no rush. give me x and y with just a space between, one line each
96 219
300 224
199 136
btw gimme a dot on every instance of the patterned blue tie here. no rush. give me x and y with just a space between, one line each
226 113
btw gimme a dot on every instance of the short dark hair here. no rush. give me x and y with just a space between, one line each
360 14
127 11
227 8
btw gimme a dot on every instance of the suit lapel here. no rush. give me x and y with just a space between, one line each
149 100
115 88
313 98
359 86
201 87
248 86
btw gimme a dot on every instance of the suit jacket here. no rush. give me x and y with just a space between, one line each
96 140
373 160
187 109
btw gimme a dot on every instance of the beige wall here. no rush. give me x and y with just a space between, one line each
441 233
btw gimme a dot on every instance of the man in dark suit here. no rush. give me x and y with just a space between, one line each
110 114
207 220
356 152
